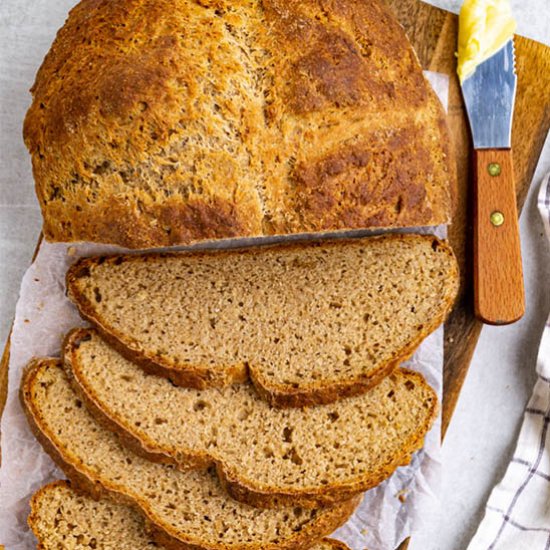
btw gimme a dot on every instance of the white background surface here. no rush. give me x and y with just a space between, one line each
483 432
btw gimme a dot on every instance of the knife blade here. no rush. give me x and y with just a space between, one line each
489 95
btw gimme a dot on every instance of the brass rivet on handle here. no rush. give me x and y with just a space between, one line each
497 218
494 169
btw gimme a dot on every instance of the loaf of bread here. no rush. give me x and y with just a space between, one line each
310 323
265 456
160 122
185 509
64 519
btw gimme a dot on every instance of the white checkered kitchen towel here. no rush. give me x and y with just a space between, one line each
517 515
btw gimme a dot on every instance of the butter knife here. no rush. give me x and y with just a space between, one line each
489 94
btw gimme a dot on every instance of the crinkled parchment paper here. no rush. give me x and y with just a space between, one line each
388 513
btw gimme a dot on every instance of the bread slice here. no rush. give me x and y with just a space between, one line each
186 509
265 456
62 518
160 122
310 323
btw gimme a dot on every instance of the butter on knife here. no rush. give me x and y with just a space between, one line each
485 26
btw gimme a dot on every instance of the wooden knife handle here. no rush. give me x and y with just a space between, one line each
498 277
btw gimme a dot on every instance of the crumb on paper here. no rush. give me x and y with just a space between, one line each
40 306
402 495
364 532
36 280
71 251
25 321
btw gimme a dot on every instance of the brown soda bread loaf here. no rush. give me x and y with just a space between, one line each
159 122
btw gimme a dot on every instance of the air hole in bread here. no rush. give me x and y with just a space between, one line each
200 405
287 434
82 272
97 295
295 458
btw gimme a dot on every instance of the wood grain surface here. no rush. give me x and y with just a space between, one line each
433 33
499 297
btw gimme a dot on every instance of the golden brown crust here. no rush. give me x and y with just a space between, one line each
238 487
202 376
91 483
301 542
284 117
320 394
197 376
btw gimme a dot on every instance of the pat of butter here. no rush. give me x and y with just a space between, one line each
484 27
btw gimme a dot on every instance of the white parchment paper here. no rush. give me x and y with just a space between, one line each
388 514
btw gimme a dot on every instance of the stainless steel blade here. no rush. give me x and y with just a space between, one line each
489 95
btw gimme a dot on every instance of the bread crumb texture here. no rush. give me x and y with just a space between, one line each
312 455
186 508
160 122
64 519
310 323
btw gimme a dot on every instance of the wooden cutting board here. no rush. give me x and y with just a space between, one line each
433 33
